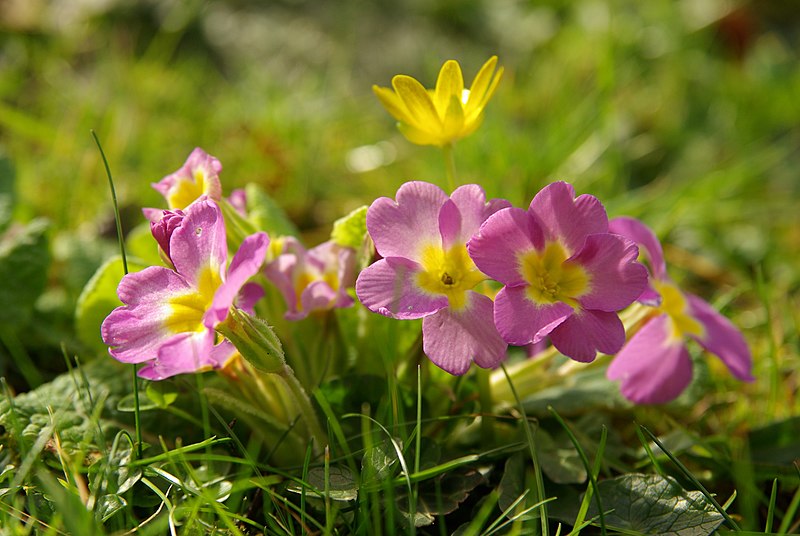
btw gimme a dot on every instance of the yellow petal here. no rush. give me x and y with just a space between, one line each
449 83
419 137
421 111
391 102
482 88
453 125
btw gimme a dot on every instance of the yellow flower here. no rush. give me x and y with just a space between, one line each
443 115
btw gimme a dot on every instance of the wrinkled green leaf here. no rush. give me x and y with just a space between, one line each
379 462
108 506
512 483
560 460
652 504
440 495
341 484
24 260
99 298
585 390
350 230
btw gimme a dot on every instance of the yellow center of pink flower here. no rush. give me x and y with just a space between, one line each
186 311
674 305
551 278
448 272
306 277
186 191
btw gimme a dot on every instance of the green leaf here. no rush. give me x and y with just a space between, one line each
266 214
162 394
379 462
7 192
652 504
140 245
440 495
24 260
350 231
341 485
99 298
560 460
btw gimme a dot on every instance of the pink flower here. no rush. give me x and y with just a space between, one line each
198 176
426 272
565 276
654 366
169 315
311 280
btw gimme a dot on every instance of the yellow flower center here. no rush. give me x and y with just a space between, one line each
551 279
674 305
448 272
187 191
186 311
307 277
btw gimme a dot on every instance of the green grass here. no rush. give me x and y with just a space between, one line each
681 114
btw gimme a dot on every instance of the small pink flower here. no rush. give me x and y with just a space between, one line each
198 176
565 276
654 366
426 272
313 279
169 315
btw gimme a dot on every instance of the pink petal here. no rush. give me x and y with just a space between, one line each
521 321
587 332
471 202
200 241
617 279
652 368
387 287
249 296
635 230
403 228
245 264
198 159
450 225
567 219
280 273
318 296
501 239
722 338
188 353
453 340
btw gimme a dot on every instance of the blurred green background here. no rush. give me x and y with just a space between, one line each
684 113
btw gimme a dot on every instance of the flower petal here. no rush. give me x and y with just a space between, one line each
616 279
450 225
453 340
387 287
474 209
722 338
421 110
635 230
188 353
200 242
450 83
249 296
137 330
653 367
521 321
504 236
404 227
567 219
392 103
245 264
482 89
587 332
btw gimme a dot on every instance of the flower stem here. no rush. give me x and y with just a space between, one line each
484 378
450 166
304 405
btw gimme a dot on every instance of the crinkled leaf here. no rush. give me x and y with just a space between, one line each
560 460
341 484
266 214
350 231
7 193
379 462
440 495
652 504
585 390
24 260
512 483
99 298
109 505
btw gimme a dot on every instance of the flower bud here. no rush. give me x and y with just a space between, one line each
255 340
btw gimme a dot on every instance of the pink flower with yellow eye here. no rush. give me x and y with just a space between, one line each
169 316
426 272
313 279
654 366
199 176
565 276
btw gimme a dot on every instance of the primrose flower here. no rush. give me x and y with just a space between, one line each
445 114
198 176
169 315
565 276
654 366
310 280
426 272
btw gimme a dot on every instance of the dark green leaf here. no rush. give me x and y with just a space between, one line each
7 192
652 504
24 260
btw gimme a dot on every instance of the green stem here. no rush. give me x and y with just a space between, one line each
450 166
304 405
484 378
